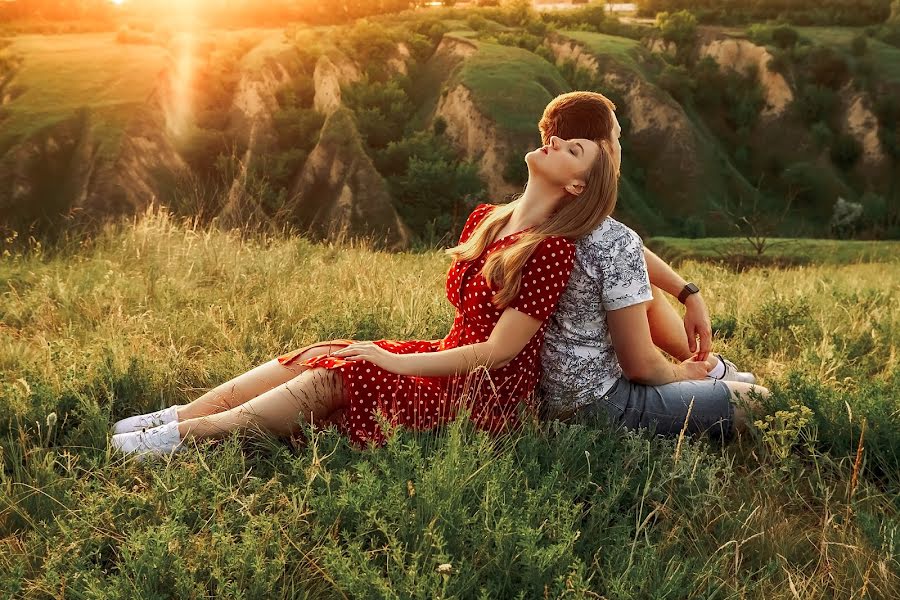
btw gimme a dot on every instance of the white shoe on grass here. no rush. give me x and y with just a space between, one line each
147 421
164 439
732 373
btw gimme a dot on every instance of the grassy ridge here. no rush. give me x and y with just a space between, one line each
511 86
63 74
151 314
885 57
786 250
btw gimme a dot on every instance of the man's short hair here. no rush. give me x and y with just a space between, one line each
586 115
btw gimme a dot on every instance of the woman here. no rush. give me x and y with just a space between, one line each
599 359
523 249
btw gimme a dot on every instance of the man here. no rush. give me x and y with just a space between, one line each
588 115
601 353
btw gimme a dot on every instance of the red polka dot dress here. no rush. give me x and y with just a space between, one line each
492 396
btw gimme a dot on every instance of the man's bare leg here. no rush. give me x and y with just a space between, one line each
746 398
667 328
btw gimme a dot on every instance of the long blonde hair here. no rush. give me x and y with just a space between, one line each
577 217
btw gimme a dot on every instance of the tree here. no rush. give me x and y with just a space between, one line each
678 27
785 37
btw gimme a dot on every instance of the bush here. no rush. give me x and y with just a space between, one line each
201 148
760 34
371 42
816 103
677 81
822 134
809 182
520 39
298 128
382 110
515 170
694 227
429 181
708 90
679 27
780 62
827 67
785 37
845 151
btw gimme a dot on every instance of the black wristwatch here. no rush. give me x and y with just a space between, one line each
689 289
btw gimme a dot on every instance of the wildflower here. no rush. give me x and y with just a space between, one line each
51 420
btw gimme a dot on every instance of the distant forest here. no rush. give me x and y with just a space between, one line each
797 12
273 12
223 12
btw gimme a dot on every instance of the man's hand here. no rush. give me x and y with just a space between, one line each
697 325
692 368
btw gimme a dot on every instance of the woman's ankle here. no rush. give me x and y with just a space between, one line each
195 410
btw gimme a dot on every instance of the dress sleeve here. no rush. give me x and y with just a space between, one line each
544 278
477 216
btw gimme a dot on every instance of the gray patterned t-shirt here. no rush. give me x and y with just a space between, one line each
578 359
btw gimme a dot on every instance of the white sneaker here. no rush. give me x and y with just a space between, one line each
164 439
732 373
147 421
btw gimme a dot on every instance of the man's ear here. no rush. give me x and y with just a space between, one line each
575 187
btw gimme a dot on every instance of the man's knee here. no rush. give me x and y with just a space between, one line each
747 400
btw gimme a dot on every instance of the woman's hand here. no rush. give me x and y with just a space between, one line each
371 352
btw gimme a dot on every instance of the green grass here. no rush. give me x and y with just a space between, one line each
789 250
154 312
61 74
620 49
511 86
885 56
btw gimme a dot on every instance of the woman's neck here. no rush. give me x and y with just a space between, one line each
534 206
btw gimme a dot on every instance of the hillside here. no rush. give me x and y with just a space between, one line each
719 127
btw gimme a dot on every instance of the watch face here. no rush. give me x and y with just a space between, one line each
692 288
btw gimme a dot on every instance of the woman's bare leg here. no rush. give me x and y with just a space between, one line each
249 385
311 396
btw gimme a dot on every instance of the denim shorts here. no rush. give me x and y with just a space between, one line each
663 408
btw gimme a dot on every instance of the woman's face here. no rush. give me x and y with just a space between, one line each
565 163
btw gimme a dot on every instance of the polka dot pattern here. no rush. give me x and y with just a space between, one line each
376 397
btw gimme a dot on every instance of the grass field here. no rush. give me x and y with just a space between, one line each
623 50
788 250
62 74
494 71
885 57
153 313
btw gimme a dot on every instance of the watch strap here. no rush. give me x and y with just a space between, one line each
687 290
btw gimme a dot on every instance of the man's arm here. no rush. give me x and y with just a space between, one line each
640 360
696 316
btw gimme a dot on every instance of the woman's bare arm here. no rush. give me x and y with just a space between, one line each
513 331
